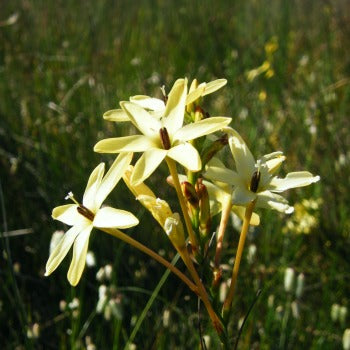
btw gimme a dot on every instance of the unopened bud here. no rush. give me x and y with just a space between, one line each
335 312
214 148
174 229
166 318
190 193
204 205
289 279
295 310
343 311
346 339
300 285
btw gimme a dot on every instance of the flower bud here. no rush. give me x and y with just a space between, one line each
204 214
190 193
289 279
174 229
346 339
300 285
209 152
343 311
335 312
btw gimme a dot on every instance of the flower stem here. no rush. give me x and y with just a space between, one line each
228 302
175 177
225 215
122 236
185 255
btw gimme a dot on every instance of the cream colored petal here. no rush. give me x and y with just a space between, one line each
116 115
62 249
144 121
186 155
274 201
240 212
134 143
159 208
214 86
68 214
92 186
195 94
244 160
241 196
275 164
201 128
175 107
112 177
174 229
151 103
110 217
292 180
137 190
220 173
146 165
77 264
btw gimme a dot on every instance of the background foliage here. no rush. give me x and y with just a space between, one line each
64 63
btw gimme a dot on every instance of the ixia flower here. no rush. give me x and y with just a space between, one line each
83 217
156 106
256 180
162 137
159 208
220 194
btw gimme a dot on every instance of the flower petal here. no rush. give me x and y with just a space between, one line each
195 94
116 115
146 165
110 217
143 120
240 212
292 180
134 143
241 196
137 190
271 200
68 213
62 248
214 86
187 156
80 248
93 185
245 162
175 107
201 128
159 208
146 102
112 177
216 171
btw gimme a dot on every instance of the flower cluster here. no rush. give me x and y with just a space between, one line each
175 129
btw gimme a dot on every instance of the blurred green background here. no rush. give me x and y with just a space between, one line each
64 63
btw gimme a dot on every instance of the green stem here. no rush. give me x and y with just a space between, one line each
122 236
175 177
225 215
185 255
228 302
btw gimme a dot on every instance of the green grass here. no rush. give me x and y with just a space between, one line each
64 63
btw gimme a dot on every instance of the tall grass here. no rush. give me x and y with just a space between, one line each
64 63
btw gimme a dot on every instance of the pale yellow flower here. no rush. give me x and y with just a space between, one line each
162 137
159 208
156 106
220 194
83 217
256 180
